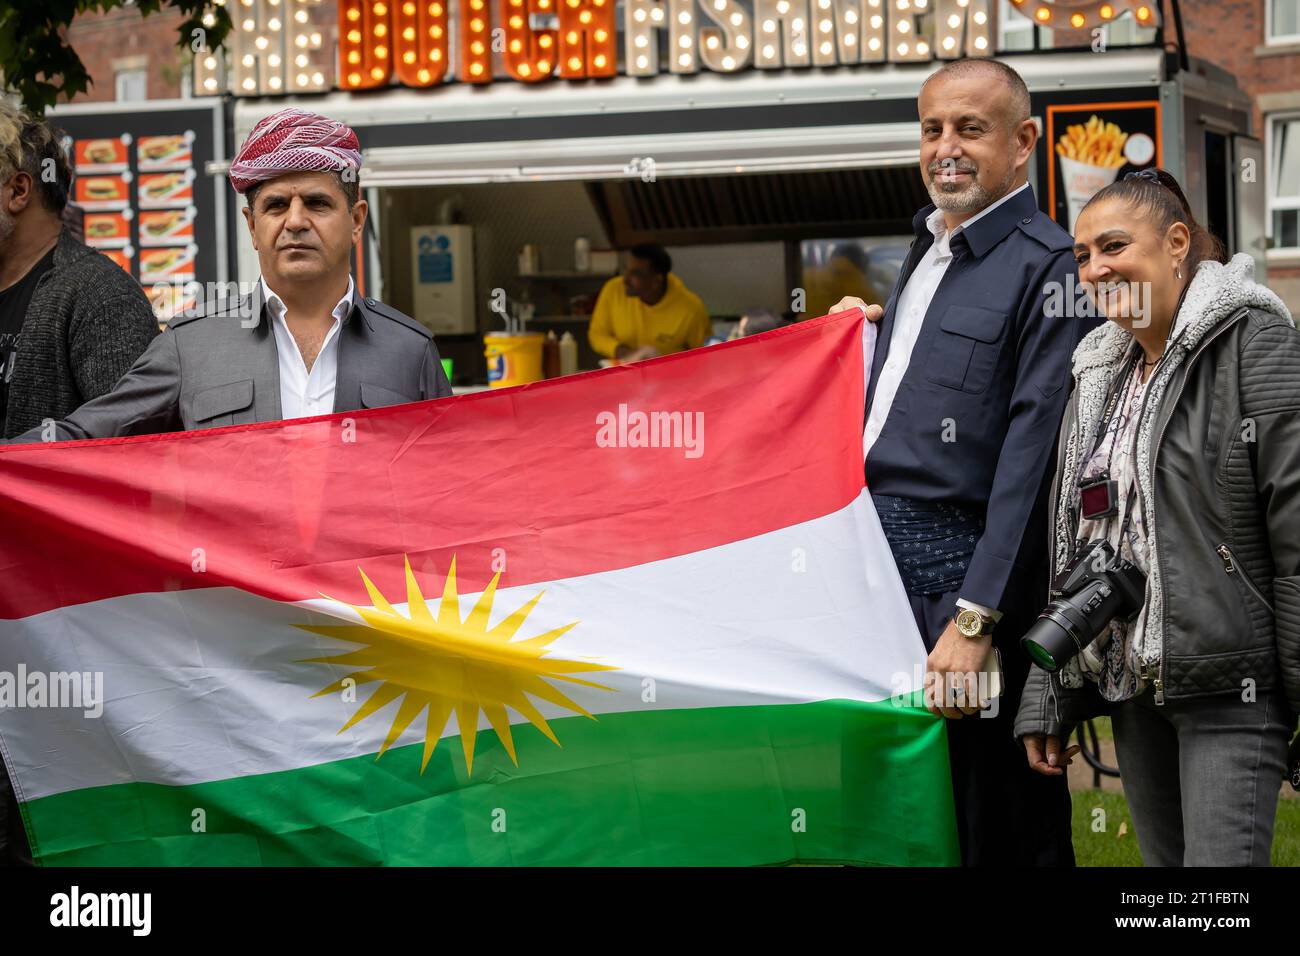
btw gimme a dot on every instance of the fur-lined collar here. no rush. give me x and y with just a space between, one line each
1217 291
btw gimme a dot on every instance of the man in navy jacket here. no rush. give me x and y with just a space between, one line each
968 385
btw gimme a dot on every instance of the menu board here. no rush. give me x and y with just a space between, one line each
148 205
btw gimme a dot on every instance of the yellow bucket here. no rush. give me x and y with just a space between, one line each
513 358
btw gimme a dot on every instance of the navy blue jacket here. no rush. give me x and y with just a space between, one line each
975 418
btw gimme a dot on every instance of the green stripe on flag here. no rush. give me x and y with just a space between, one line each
832 781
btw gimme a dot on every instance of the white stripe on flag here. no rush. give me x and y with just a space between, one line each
207 685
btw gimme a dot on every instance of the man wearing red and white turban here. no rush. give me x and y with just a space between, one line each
300 341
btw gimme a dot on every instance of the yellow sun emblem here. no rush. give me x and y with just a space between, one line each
445 664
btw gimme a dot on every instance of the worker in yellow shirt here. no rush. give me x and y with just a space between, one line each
647 311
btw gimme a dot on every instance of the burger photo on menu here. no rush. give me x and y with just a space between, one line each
166 226
108 228
166 152
103 192
170 299
174 262
166 190
101 155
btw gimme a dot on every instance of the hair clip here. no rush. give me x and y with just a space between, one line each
1149 174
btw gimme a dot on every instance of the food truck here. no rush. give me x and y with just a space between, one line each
511 148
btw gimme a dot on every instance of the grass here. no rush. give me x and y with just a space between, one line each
1113 842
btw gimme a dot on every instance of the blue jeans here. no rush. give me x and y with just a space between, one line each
1202 776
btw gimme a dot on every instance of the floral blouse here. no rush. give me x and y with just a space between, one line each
1111 660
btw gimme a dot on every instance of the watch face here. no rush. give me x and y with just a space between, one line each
969 623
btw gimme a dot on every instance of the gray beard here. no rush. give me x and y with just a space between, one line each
971 199
7 224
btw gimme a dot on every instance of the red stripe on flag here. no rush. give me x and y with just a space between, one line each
515 477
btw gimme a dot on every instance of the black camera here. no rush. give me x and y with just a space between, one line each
1096 587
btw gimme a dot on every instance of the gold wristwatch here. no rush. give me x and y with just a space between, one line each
971 623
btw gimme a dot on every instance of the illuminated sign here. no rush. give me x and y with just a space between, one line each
274 48
276 45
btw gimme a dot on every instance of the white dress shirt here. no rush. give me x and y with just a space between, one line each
302 392
909 315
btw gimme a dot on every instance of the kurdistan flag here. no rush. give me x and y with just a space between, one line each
639 616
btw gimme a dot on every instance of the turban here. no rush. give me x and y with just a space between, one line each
294 141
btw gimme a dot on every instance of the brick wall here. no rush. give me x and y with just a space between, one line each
107 42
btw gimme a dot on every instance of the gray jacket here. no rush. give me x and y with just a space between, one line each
88 321
222 368
1218 469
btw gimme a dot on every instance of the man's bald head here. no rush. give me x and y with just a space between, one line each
1015 95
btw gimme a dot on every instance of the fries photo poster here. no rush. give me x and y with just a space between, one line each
1093 144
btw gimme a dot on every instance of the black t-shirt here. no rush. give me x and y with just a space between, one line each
13 309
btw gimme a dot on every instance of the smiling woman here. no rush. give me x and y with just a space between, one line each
1183 408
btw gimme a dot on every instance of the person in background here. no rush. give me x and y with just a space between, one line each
303 342
74 221
647 311
71 322
844 273
754 321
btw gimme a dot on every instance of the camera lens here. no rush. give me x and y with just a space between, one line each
1069 624
1040 655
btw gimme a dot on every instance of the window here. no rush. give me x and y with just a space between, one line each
1283 21
1016 31
130 84
1124 31
1284 180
